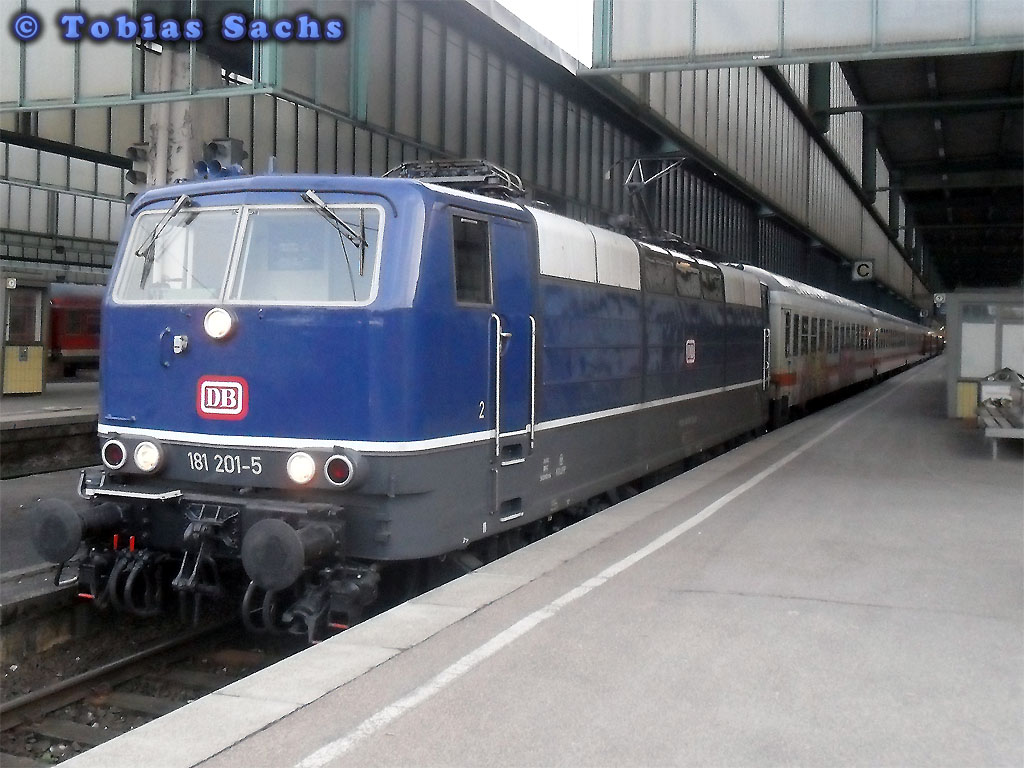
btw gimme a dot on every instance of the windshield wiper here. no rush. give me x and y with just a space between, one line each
336 221
148 249
346 231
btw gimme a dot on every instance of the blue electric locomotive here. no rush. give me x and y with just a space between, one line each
312 376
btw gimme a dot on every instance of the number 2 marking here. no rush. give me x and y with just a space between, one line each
482 407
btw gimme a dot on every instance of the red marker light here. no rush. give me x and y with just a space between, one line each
338 470
115 540
113 454
131 544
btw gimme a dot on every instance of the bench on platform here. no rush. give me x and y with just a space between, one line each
1000 421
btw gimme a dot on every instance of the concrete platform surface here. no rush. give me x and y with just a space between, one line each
844 591
51 431
60 402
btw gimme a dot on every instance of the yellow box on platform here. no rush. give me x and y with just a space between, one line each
23 370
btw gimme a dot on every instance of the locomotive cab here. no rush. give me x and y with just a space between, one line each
252 352
295 369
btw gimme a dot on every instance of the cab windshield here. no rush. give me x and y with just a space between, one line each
253 254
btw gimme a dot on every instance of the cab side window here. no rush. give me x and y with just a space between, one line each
471 250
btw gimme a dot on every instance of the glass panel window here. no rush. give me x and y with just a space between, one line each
804 325
659 275
303 255
24 316
688 280
472 253
712 284
187 262
814 335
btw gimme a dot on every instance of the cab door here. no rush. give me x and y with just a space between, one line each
514 342
493 270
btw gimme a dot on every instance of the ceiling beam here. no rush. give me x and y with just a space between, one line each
922 181
990 225
992 104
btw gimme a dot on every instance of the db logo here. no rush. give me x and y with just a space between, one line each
222 397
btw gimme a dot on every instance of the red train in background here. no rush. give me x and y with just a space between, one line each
74 328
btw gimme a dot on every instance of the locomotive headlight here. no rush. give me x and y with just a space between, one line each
218 323
147 456
301 467
113 454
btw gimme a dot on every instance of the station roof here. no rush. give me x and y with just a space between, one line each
951 132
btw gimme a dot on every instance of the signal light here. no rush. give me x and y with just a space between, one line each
222 158
339 470
138 176
113 454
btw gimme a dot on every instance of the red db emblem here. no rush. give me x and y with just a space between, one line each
222 397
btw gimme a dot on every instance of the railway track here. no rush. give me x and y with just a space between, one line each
59 721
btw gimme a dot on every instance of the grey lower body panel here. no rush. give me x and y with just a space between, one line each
444 500
422 504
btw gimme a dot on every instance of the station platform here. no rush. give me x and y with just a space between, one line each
846 590
49 431
40 437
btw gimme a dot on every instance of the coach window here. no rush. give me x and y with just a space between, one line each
804 325
472 253
814 335
789 330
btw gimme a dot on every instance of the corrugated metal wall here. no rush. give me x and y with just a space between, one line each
425 88
419 80
742 121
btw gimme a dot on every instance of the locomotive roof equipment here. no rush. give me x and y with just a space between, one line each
479 176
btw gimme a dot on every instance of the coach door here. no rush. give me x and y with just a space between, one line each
766 354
